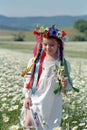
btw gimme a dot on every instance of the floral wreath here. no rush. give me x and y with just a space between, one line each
52 31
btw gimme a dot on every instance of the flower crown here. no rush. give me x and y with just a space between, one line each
50 32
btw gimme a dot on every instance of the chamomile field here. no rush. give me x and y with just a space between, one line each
14 57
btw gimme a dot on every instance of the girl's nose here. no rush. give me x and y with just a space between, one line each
48 46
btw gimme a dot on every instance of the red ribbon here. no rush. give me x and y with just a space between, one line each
28 86
40 68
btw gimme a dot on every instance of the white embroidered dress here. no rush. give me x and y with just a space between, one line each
45 102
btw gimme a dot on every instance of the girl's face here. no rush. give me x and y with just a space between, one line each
50 46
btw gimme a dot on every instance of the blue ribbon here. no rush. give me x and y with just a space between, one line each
36 75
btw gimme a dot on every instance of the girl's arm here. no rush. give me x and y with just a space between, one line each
27 92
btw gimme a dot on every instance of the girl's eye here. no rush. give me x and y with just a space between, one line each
51 45
45 44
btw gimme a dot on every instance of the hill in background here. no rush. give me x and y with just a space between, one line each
29 23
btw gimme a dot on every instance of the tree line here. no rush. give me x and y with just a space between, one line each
80 25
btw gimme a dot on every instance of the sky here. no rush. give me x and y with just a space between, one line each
24 8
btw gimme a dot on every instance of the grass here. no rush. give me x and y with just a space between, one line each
8 35
25 47
72 49
71 32
76 49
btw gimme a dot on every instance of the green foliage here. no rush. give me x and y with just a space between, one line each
81 25
85 35
19 37
78 38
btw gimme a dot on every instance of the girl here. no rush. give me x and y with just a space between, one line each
45 83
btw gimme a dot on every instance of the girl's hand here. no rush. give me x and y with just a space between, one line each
28 103
64 83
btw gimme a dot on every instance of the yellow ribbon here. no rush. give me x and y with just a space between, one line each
28 69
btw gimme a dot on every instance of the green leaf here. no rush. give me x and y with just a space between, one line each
54 26
76 89
58 89
42 29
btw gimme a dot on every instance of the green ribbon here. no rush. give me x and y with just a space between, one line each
69 79
58 89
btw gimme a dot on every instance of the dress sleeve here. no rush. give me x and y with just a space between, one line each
27 92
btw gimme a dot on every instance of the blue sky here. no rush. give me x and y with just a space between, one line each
25 8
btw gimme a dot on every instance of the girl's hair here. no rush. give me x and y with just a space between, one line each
61 49
36 60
